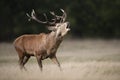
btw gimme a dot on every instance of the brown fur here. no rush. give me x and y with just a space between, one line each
40 45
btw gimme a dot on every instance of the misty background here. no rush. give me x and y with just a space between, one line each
90 52
88 18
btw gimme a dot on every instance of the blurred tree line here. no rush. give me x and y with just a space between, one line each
88 18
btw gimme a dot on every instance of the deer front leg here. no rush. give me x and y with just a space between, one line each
39 60
55 60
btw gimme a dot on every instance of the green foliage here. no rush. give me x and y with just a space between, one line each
88 18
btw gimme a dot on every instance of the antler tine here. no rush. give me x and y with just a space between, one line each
28 16
56 16
33 16
50 23
54 20
45 17
51 12
64 15
60 18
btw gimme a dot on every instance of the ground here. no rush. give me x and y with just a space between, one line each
85 59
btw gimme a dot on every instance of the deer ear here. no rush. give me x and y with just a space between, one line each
52 28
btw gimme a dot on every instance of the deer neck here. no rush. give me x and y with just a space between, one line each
53 42
54 37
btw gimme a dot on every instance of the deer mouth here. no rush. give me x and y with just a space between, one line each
68 26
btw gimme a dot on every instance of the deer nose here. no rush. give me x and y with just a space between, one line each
68 24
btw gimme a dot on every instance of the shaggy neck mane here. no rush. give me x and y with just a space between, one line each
53 40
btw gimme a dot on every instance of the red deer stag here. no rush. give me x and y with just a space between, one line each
42 45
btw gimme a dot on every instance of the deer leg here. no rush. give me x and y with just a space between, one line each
55 60
24 61
21 62
21 57
39 60
26 58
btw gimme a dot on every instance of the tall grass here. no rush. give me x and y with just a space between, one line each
80 60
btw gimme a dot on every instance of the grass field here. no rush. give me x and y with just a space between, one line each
80 60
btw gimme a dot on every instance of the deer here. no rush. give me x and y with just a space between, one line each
42 45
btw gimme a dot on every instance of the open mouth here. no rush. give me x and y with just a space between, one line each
68 26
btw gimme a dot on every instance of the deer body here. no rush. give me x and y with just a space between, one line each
41 45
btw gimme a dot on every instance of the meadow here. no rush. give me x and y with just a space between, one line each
85 59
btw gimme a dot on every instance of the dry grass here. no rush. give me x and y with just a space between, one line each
80 60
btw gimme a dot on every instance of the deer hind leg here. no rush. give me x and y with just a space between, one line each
21 58
55 60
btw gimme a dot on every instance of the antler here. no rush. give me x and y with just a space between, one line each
60 18
33 16
64 15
